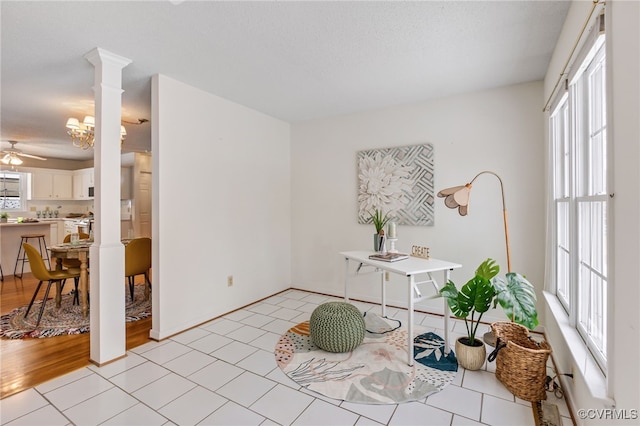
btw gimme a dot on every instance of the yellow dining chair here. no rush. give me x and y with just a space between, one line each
40 271
74 264
137 261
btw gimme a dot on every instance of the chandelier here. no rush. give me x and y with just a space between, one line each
82 134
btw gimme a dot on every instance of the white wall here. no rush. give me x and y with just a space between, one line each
499 130
623 68
624 54
230 167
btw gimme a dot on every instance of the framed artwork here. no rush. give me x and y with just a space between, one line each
399 182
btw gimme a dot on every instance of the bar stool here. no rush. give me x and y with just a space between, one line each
25 239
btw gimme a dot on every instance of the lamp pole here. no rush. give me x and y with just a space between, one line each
458 196
504 213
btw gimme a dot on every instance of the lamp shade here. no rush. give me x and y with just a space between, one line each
462 196
73 124
11 159
457 197
89 121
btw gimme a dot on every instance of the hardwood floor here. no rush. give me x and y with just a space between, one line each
25 363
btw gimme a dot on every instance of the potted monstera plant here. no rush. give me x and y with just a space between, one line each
486 289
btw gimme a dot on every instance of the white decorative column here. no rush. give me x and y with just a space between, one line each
107 308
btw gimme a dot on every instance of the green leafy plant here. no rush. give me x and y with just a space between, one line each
4 215
473 299
515 295
379 220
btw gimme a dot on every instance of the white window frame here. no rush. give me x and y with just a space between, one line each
23 191
579 178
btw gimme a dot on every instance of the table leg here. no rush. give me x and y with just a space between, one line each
58 262
58 293
146 285
384 293
411 281
447 348
84 288
346 279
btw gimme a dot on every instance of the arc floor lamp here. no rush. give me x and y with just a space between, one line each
458 197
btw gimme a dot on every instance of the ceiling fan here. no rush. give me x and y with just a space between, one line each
12 155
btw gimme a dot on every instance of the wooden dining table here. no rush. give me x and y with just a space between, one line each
78 251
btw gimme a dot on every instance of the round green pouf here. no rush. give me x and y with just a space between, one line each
337 327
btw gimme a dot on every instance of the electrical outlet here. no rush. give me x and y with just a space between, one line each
229 280
573 372
386 275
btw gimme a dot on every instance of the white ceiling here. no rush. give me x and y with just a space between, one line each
292 60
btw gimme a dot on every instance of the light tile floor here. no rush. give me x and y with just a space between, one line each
224 373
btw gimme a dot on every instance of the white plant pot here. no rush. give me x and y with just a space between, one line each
470 357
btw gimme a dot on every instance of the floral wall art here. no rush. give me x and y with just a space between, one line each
397 181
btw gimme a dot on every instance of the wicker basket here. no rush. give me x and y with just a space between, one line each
521 365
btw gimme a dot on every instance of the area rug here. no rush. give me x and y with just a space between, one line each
376 372
67 319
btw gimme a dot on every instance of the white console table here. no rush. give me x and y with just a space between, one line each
409 268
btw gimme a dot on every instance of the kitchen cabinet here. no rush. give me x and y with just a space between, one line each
10 238
77 186
51 185
55 233
70 226
57 230
82 181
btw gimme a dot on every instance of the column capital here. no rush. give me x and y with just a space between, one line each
99 56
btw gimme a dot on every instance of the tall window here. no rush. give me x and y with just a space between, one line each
578 134
12 191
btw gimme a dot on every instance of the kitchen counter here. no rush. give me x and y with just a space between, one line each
10 233
25 224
